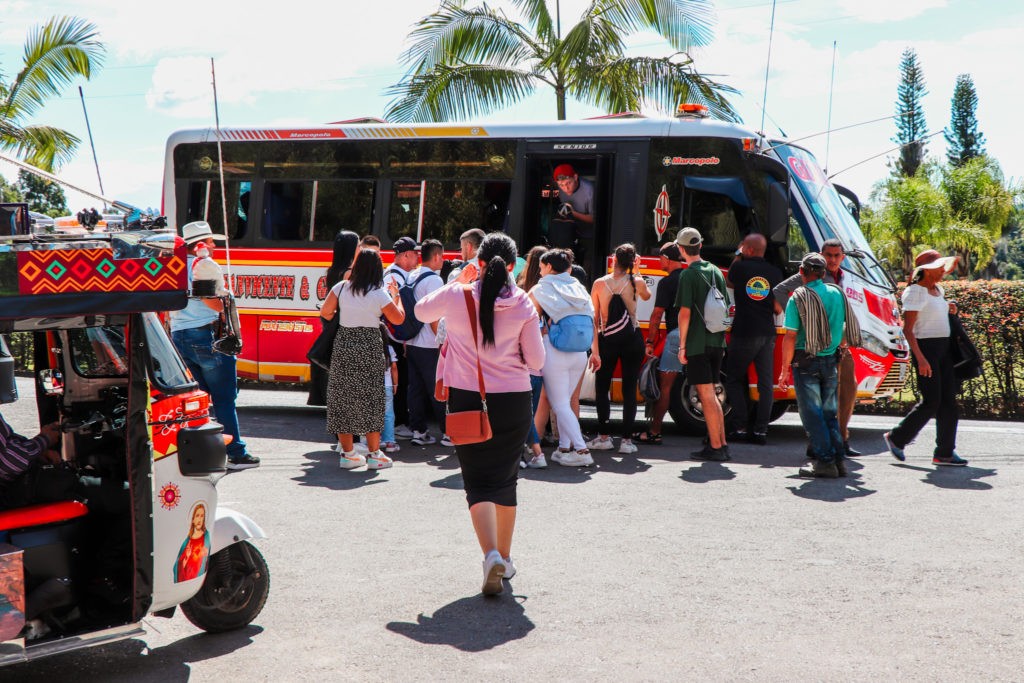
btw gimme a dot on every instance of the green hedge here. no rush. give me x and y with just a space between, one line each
991 311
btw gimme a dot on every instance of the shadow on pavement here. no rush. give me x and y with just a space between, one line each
132 660
706 472
322 470
831 490
963 478
283 422
471 624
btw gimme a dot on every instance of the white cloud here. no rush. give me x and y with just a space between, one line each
885 11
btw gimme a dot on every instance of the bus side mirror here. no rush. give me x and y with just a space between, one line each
778 212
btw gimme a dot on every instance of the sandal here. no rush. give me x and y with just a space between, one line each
648 437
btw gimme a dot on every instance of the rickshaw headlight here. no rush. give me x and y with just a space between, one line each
192 406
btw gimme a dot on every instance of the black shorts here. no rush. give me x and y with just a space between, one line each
705 368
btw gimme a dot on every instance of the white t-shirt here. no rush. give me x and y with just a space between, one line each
392 358
355 310
933 312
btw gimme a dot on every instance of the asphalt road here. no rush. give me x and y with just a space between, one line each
646 567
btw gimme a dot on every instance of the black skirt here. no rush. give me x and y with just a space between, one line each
490 469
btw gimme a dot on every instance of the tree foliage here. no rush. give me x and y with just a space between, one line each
911 128
980 204
470 61
42 196
963 140
56 53
909 213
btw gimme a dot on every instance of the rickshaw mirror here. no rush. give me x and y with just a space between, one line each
52 382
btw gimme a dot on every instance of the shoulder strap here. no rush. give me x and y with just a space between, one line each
471 309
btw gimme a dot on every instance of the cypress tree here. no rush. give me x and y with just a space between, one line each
910 125
963 140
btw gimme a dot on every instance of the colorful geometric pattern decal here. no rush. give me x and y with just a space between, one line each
60 271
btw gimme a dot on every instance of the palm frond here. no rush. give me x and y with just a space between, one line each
630 83
44 146
685 24
448 93
455 34
536 11
591 40
56 53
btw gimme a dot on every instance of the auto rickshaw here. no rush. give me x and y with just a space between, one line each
133 527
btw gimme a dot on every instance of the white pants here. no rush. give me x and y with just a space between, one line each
562 372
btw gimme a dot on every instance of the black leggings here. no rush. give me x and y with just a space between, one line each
626 348
938 400
490 469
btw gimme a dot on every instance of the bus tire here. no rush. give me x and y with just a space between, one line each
684 407
780 408
234 592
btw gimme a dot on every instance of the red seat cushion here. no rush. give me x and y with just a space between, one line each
37 515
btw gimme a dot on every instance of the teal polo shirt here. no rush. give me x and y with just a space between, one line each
835 309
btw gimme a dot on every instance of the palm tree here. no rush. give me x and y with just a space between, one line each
55 54
469 61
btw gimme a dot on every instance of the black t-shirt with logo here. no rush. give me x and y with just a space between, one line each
752 280
665 298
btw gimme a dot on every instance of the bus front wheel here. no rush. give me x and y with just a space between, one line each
685 407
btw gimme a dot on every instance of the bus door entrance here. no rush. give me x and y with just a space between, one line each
571 210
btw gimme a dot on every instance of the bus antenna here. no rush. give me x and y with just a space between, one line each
828 124
88 128
767 66
220 166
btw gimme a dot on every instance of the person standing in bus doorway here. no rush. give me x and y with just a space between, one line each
577 204
818 321
701 350
752 338
926 314
421 351
193 331
834 253
671 257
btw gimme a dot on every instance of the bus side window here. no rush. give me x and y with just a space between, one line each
203 203
450 207
796 242
286 208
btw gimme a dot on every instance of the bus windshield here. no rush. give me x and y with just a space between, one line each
829 212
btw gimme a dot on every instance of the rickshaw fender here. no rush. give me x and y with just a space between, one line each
230 527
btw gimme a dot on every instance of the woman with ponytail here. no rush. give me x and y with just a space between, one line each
507 345
619 340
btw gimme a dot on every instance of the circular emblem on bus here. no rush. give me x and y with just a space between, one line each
205 164
666 161
758 288
169 496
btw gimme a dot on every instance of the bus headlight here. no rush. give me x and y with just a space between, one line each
870 342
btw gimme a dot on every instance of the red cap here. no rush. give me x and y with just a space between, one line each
564 170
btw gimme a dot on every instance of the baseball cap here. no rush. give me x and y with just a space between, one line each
671 251
564 170
689 237
199 230
404 244
813 261
931 259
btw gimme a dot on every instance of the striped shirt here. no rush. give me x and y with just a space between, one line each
16 452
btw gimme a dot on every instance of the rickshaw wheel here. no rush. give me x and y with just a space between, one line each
234 592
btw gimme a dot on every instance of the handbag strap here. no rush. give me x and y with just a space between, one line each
471 309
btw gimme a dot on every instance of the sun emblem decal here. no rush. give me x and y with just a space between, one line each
170 496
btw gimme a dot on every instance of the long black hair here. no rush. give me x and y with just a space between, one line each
344 250
498 251
367 273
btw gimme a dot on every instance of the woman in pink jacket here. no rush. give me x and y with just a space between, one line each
509 346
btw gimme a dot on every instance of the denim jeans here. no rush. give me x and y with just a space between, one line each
215 373
742 352
536 384
817 398
387 435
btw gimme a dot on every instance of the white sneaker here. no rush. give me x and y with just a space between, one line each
583 455
626 447
403 432
494 570
391 447
378 461
537 462
357 447
350 461
570 459
446 441
423 439
601 443
510 568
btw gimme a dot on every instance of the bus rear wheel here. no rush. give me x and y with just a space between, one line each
685 406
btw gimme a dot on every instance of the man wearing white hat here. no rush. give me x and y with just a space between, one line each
193 331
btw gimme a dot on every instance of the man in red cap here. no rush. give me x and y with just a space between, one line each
577 197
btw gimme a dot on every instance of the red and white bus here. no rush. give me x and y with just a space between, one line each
289 191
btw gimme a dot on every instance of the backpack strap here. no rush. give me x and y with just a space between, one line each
471 309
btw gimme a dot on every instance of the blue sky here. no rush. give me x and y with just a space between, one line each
306 62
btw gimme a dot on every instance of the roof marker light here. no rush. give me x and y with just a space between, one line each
686 110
